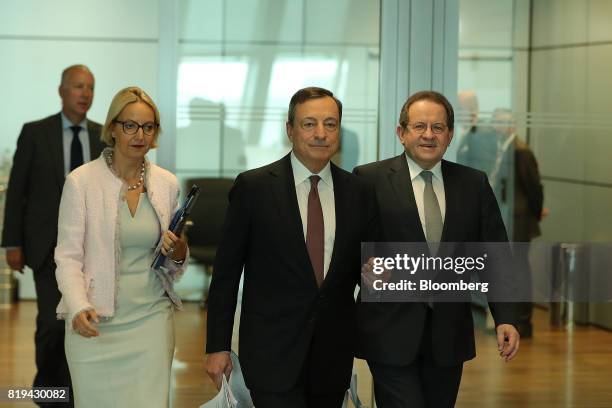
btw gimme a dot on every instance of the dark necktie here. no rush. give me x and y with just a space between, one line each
76 148
315 232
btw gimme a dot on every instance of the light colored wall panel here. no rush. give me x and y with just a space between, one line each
201 20
198 146
560 152
354 74
484 23
597 214
80 18
521 24
558 22
264 20
599 83
342 21
600 18
558 79
520 89
601 314
598 150
566 203
491 79
358 144
30 88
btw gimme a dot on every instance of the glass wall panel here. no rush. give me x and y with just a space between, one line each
235 79
547 62
485 83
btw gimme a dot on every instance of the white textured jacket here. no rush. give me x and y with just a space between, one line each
88 248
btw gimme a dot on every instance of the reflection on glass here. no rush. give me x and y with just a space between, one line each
234 90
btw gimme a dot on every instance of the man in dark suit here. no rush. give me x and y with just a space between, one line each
295 226
46 151
528 205
416 350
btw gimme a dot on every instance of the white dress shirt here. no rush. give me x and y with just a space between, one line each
325 187
67 141
418 186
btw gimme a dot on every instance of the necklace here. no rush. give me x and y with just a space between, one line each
140 179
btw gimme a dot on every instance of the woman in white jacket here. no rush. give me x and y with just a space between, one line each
114 216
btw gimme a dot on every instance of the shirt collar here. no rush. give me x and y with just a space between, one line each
66 124
415 169
301 173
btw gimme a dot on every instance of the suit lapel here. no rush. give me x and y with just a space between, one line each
283 189
342 208
55 145
452 218
452 193
399 177
94 141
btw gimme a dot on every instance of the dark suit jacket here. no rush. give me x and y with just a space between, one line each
284 313
390 333
35 187
528 194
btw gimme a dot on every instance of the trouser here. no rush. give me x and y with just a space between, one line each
51 365
301 395
422 383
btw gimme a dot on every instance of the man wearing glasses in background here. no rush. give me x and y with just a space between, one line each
295 226
47 150
416 350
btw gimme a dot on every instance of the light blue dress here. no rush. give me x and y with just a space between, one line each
128 365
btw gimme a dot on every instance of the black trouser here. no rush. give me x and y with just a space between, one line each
301 395
423 383
51 365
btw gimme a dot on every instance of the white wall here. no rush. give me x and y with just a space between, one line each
117 39
38 39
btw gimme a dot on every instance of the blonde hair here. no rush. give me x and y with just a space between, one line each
123 98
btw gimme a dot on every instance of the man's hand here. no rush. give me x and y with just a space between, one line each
368 276
14 259
82 323
507 341
218 364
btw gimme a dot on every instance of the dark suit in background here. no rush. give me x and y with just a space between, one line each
528 206
30 222
528 193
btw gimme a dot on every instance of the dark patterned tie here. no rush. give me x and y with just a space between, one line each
76 148
315 231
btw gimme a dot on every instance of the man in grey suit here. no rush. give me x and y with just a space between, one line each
47 150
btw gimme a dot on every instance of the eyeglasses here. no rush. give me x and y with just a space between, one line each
131 128
421 127
309 125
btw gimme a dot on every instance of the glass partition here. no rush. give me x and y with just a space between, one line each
241 61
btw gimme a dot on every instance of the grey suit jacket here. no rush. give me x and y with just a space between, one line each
35 188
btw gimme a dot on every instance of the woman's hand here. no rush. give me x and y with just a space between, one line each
174 247
82 323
